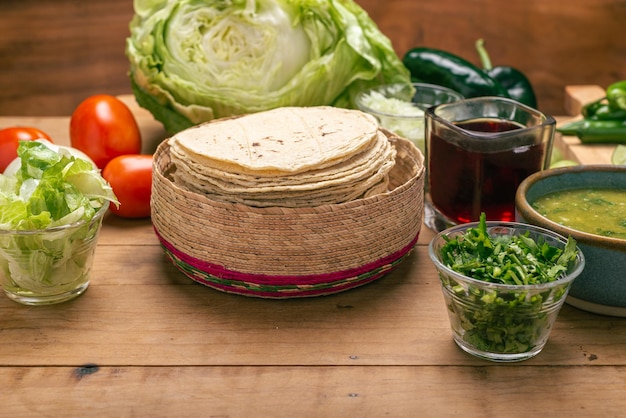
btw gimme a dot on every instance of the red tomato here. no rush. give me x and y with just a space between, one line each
130 176
9 140
103 127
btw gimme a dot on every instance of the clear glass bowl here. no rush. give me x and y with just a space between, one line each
499 322
400 108
40 267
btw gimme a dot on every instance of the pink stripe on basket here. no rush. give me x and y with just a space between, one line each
221 272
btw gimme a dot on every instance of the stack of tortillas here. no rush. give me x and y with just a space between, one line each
289 157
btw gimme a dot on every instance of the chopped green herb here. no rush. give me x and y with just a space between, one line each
504 321
517 260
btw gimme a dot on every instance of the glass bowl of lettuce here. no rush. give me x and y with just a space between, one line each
52 203
504 284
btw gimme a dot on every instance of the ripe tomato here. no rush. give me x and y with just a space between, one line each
9 140
103 127
130 176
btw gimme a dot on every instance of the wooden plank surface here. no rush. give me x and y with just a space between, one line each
139 310
356 391
144 340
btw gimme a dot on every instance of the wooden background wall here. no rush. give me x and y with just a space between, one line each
55 53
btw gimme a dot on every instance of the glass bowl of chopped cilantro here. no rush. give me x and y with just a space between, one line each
504 284
52 204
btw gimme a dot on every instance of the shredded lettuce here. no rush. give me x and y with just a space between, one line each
193 61
51 189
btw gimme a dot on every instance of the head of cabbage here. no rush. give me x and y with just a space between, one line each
192 61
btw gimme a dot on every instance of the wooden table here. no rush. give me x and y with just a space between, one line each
146 341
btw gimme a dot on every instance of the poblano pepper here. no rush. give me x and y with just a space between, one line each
513 80
445 69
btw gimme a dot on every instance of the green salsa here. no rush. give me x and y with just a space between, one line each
596 211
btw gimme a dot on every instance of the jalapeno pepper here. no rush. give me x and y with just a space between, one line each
604 120
589 110
616 95
602 110
445 69
513 80
596 131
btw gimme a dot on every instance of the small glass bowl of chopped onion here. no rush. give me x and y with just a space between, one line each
504 284
399 108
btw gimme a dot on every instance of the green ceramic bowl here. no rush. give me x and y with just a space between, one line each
601 287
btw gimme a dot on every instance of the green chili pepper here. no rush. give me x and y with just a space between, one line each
604 120
513 80
596 131
445 69
616 95
601 110
605 112
589 110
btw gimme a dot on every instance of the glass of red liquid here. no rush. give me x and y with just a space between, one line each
478 151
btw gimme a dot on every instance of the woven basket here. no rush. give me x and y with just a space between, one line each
281 252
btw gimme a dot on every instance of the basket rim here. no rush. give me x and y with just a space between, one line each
414 152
